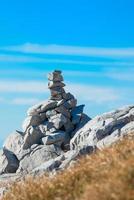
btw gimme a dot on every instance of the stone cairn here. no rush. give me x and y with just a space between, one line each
57 117
47 130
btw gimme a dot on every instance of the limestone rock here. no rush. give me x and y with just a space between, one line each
8 162
55 76
58 120
111 125
32 136
38 156
52 84
14 142
61 109
54 138
31 121
42 107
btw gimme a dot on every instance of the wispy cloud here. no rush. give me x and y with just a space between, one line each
71 50
96 94
24 101
23 87
93 93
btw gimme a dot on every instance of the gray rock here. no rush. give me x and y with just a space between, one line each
68 96
69 127
42 107
54 138
76 114
50 113
38 156
61 109
58 120
61 102
52 84
104 129
14 142
58 97
34 120
47 126
55 76
8 162
56 91
72 103
84 119
42 116
49 166
77 110
32 136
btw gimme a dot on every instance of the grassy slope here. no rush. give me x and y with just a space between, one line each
108 174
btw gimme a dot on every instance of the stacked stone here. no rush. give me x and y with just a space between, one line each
56 85
55 119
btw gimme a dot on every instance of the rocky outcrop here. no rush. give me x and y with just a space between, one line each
104 130
56 133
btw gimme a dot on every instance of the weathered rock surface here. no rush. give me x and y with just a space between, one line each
14 142
39 155
32 136
8 162
42 107
54 138
105 129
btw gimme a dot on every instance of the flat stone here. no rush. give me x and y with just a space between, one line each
42 107
56 91
52 84
56 98
54 138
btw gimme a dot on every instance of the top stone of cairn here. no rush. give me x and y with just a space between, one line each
56 85
55 76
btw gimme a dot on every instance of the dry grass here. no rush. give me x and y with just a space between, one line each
106 175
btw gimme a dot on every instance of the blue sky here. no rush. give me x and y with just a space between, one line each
92 42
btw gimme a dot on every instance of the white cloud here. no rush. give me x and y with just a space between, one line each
23 86
97 94
86 92
71 50
24 101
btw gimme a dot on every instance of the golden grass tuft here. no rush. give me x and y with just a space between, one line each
106 175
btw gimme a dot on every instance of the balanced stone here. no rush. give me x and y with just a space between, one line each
52 84
55 76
